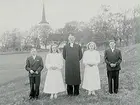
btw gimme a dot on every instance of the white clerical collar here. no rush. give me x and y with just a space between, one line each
71 44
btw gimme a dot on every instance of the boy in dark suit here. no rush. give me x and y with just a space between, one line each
34 65
113 59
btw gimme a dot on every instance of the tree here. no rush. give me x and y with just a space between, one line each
101 26
34 34
39 35
27 44
70 27
4 40
136 24
45 31
11 40
78 29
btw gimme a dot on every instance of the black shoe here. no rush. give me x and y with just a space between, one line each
116 91
70 94
111 92
76 94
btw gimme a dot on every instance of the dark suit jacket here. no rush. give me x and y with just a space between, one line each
113 57
35 65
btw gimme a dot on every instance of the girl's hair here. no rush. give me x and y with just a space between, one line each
95 47
57 49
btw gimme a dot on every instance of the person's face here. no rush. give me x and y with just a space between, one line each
71 39
33 52
91 46
112 45
54 49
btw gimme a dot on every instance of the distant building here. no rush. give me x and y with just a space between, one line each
43 21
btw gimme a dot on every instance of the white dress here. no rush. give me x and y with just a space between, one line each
54 81
91 74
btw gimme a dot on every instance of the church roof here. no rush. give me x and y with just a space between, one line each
43 21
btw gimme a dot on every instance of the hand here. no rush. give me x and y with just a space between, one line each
31 71
91 65
112 64
36 72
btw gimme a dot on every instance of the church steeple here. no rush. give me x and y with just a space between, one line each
43 21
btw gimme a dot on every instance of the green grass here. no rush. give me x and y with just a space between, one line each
16 91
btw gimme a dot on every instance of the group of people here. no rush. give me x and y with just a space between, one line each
72 54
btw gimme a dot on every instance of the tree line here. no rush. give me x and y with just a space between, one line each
123 27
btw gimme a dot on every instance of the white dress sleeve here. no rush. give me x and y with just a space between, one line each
47 61
60 62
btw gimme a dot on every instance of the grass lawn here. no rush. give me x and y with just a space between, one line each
14 85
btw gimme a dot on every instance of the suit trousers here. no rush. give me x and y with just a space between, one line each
113 78
73 89
34 86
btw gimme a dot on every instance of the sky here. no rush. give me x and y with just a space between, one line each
23 14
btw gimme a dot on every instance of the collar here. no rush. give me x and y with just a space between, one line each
34 56
71 44
112 49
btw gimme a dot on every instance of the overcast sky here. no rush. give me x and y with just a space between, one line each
23 14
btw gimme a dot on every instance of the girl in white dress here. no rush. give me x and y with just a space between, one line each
91 59
54 81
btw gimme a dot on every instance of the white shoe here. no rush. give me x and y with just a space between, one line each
55 96
93 92
51 97
89 92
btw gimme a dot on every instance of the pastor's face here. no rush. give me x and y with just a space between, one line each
71 39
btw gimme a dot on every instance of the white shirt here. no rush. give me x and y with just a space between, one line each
71 44
34 57
112 50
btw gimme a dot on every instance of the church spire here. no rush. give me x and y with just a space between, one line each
43 21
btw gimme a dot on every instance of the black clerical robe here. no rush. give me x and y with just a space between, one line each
72 56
